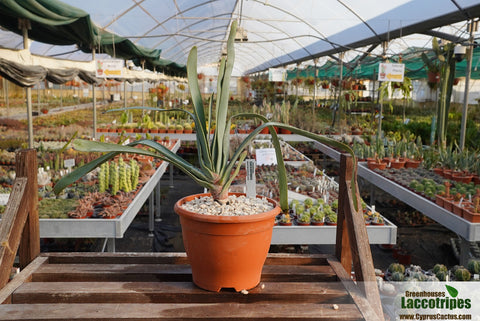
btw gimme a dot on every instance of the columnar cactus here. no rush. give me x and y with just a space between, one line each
135 173
115 178
102 181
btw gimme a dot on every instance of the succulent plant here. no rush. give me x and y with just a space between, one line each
473 266
218 168
462 274
396 267
397 276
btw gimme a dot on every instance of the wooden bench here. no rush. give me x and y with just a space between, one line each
157 286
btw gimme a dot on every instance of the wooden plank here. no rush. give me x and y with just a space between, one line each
168 272
364 305
13 220
342 244
24 276
173 258
195 311
176 292
26 166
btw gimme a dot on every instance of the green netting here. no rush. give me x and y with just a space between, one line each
367 67
55 22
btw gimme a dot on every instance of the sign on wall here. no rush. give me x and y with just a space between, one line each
109 68
277 74
391 72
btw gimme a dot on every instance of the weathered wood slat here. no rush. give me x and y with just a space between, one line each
168 272
195 311
176 292
11 228
17 281
172 258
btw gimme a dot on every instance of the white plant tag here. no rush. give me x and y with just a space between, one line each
250 182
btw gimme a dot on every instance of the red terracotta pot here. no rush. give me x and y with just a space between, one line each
374 165
226 251
412 163
471 216
433 77
397 164
285 131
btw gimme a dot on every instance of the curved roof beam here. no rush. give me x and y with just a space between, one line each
325 38
360 18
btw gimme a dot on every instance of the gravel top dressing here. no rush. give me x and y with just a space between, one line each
236 206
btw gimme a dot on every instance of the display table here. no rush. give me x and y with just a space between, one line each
110 229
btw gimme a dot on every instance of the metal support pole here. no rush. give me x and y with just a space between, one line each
125 93
171 175
158 208
151 215
7 102
38 99
315 74
94 102
463 127
25 26
61 95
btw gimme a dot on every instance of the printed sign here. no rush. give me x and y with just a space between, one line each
276 74
266 156
391 72
109 68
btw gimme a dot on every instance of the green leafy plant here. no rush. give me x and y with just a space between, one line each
217 168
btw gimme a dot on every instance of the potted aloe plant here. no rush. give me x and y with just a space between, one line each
219 247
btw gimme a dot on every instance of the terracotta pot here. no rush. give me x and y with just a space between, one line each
226 251
374 165
471 216
412 163
433 77
285 223
397 164
178 131
264 131
171 131
447 204
439 200
447 173
463 178
456 209
315 223
285 131
162 130
129 130
188 131
302 223
438 171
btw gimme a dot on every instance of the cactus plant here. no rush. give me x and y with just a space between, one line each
462 274
473 266
397 276
396 267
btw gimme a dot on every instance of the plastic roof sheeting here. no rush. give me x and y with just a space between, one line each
277 32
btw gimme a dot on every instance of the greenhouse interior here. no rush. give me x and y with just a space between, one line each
293 159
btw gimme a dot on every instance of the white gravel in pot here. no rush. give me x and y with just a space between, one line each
236 206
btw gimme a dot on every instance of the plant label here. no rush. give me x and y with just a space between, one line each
69 163
250 178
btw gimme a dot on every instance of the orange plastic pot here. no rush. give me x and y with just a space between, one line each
226 251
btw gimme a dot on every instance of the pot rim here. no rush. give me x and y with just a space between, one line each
224 219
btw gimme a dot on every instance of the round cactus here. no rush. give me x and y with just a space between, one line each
397 276
442 275
462 274
308 202
439 267
396 267
474 266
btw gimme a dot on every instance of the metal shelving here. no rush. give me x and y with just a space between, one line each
106 228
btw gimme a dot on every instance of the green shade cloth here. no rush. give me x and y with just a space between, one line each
54 22
366 67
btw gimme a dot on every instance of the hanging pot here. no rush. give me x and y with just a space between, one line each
226 251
